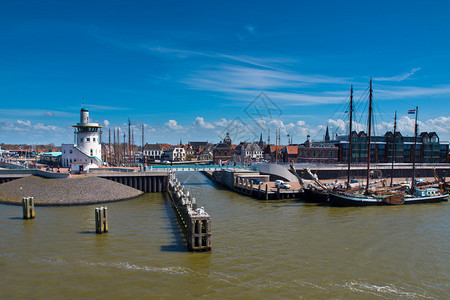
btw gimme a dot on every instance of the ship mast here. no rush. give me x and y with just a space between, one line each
350 137
369 137
394 149
413 182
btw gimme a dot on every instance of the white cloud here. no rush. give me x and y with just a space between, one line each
172 124
23 123
200 122
42 127
106 123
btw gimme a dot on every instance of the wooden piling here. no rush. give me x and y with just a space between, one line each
278 192
267 193
259 191
101 220
28 208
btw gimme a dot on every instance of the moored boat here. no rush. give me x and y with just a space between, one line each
385 196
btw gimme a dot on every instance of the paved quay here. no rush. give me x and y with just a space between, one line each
68 191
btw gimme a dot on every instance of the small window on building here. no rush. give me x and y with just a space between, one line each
93 139
70 151
88 139
81 140
91 151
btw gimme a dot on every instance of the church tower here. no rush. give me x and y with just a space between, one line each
227 139
327 136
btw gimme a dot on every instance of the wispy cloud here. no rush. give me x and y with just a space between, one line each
412 91
104 107
14 112
250 28
399 77
242 83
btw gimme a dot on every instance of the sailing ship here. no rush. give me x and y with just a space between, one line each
385 195
317 192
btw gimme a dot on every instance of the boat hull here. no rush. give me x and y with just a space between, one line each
347 200
429 199
316 196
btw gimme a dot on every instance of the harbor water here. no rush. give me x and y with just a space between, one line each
261 250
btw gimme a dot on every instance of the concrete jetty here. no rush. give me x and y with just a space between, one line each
242 182
196 221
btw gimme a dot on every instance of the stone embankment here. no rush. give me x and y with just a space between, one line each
68 191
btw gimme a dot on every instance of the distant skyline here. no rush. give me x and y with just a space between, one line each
193 70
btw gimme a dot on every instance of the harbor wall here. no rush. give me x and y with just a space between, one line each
148 183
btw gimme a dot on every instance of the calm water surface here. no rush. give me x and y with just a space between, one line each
260 250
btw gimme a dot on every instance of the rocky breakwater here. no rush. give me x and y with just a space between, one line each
68 191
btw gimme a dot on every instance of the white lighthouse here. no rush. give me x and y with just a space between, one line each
86 152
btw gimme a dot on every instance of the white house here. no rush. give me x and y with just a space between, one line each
153 152
173 154
251 152
86 152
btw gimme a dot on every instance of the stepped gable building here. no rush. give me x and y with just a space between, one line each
290 153
85 153
273 153
248 152
429 149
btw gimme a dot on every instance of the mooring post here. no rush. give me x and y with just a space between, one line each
101 220
278 192
105 219
259 190
251 188
28 208
98 221
267 193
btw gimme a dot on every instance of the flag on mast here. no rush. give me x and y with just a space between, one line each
411 112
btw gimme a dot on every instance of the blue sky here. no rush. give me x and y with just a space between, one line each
193 70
